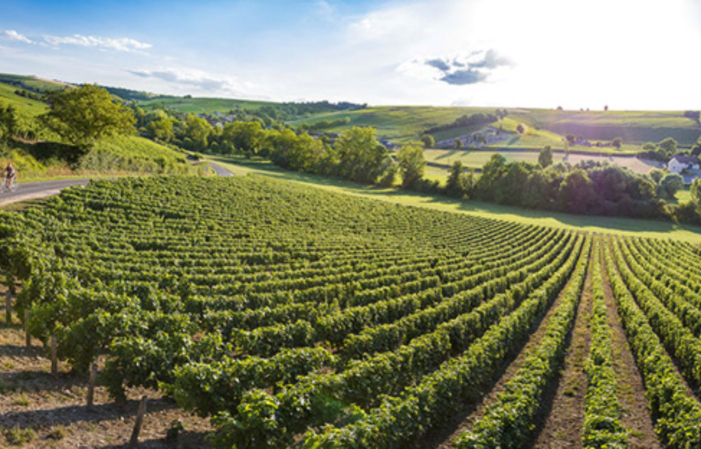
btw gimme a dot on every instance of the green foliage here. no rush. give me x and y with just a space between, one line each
359 155
656 175
459 183
411 164
545 157
576 192
696 191
428 141
670 184
87 114
602 425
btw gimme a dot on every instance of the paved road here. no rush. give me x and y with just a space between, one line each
221 171
31 190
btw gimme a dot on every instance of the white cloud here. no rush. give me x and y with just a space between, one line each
196 78
15 36
119 44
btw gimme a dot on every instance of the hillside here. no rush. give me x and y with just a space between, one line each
544 127
40 154
345 313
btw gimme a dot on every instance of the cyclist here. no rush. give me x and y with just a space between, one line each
9 174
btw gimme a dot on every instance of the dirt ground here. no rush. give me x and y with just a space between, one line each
40 410
443 438
564 422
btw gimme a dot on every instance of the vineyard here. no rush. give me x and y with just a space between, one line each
292 316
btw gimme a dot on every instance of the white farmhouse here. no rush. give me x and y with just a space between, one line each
680 163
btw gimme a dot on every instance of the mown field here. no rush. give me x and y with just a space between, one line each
296 316
477 158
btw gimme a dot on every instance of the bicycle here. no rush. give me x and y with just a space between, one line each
5 188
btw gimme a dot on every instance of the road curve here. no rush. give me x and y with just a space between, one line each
220 170
32 190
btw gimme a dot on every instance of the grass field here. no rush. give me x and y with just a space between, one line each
477 158
201 105
25 106
626 226
402 124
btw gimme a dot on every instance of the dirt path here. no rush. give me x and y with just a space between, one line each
442 438
635 414
39 410
562 425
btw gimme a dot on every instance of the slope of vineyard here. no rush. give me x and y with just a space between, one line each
292 315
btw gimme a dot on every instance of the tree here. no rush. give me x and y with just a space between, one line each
389 173
520 128
545 158
576 192
411 164
617 142
197 130
9 122
696 149
668 145
696 191
656 174
570 138
457 143
459 183
428 141
244 136
161 129
606 108
359 155
86 114
671 184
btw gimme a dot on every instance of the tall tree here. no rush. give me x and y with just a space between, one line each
360 155
411 164
86 114
545 158
428 141
671 184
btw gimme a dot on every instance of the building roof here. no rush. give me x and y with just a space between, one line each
687 159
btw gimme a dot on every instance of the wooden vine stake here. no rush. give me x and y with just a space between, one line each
91 385
54 359
27 337
134 441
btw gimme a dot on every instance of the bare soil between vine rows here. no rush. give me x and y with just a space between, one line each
40 410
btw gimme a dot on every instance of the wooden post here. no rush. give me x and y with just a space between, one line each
91 385
8 308
27 337
134 441
54 359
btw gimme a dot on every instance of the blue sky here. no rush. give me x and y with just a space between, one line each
628 54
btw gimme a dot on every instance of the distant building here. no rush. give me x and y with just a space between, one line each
680 163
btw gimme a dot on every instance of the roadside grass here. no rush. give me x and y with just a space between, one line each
612 225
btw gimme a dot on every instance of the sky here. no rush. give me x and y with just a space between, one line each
627 54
